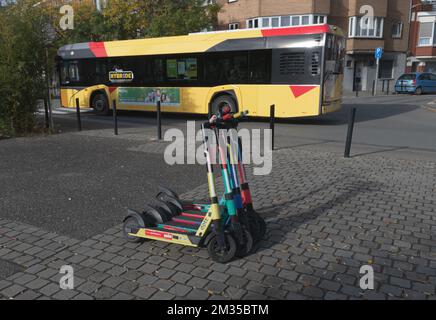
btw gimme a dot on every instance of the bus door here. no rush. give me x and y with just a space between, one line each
333 68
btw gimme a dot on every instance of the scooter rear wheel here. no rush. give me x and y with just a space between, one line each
222 255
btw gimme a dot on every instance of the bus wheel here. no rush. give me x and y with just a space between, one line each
100 104
222 101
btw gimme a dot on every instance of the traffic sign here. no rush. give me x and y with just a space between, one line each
378 53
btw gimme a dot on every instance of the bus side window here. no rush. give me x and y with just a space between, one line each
227 68
260 69
157 70
185 69
101 72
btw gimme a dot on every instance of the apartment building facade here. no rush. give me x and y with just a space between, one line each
422 37
368 24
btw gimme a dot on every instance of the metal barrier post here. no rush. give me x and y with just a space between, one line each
114 111
79 120
350 133
272 124
47 117
159 121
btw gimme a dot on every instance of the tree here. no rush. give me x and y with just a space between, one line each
178 17
130 19
22 65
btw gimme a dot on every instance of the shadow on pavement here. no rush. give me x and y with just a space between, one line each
379 151
291 222
365 112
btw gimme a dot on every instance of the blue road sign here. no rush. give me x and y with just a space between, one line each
378 53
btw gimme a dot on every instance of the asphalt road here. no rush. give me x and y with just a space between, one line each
397 121
81 185
391 122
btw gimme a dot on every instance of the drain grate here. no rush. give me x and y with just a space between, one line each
8 269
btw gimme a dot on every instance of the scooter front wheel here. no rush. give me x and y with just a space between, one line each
246 246
222 254
259 225
130 225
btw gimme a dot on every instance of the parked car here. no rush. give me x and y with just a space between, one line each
417 83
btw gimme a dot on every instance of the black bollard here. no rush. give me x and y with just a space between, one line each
47 116
115 114
79 120
389 87
272 125
159 121
350 133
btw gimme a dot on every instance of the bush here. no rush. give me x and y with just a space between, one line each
22 64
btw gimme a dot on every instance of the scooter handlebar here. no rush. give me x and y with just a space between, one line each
227 121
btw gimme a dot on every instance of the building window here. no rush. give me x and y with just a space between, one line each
365 27
285 21
265 22
253 23
296 21
426 33
233 26
275 22
397 30
305 20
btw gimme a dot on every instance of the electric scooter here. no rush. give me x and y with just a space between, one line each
205 230
231 208
240 189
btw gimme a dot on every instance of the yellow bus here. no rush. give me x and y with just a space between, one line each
297 69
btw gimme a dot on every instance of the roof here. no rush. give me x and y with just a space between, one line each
194 43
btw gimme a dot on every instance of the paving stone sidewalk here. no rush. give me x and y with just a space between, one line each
326 216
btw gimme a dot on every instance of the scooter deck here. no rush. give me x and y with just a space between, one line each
183 224
193 214
176 227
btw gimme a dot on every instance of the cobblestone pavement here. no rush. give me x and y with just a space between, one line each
326 216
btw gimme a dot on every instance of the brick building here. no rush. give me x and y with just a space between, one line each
388 29
422 37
